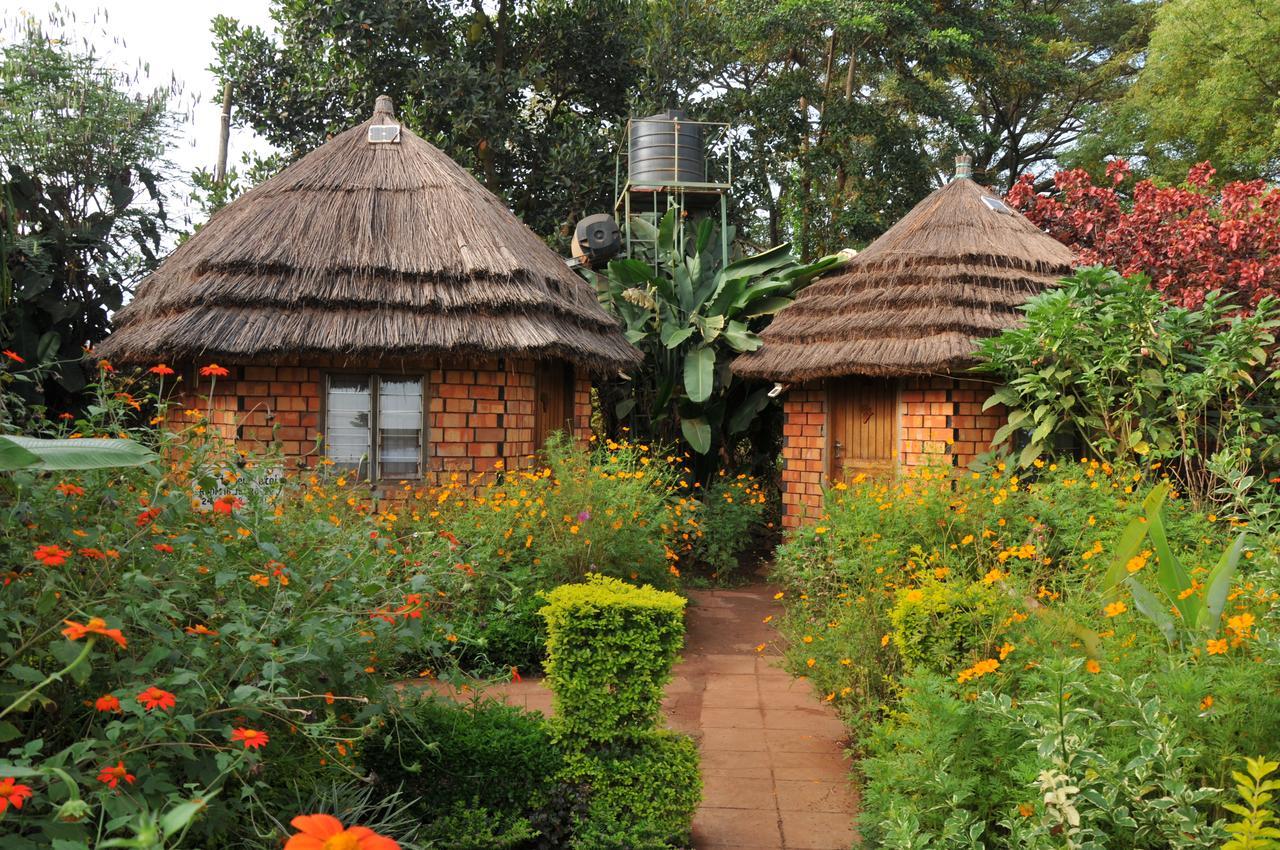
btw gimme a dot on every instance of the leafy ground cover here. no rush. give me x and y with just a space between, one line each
196 650
1005 682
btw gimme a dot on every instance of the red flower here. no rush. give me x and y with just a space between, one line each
160 369
325 832
199 629
214 370
163 547
51 555
95 626
106 702
226 504
16 358
66 488
93 554
105 365
111 776
251 738
147 517
153 698
66 417
12 793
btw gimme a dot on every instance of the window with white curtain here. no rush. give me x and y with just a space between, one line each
374 425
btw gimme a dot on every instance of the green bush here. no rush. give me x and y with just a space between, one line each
941 621
647 789
610 649
448 755
731 515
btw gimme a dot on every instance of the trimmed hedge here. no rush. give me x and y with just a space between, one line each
610 649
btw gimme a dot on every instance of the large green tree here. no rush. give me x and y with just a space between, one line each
82 216
528 95
1210 90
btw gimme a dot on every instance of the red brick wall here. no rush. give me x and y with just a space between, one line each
804 440
478 412
941 423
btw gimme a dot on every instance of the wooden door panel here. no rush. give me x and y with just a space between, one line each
553 400
864 427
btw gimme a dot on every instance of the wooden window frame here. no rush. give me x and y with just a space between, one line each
375 380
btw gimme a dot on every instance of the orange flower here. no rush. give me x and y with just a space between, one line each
66 488
163 547
16 358
146 517
200 629
1093 666
112 776
95 626
154 697
11 792
325 832
1206 703
214 370
105 365
51 555
107 702
1217 647
160 369
251 738
226 504
1115 609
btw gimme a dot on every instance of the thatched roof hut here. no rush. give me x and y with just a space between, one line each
364 248
953 270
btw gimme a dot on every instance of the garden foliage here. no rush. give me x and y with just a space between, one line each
1106 361
1002 692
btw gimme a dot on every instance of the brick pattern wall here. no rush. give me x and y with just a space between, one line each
941 423
804 440
478 412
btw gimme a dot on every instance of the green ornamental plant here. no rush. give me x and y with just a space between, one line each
1254 830
690 316
1186 608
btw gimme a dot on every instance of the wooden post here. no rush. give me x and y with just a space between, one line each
224 134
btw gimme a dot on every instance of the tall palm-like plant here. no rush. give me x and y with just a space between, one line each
691 314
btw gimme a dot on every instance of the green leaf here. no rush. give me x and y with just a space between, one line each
740 338
697 433
699 373
1171 574
14 456
89 453
1127 546
1218 586
709 326
667 231
623 408
8 732
672 337
1151 606
761 264
630 273
748 410
180 816
766 307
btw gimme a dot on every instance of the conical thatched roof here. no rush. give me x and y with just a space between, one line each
362 248
954 269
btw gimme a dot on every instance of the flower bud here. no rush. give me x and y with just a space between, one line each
73 811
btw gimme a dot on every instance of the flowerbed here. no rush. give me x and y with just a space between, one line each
1005 688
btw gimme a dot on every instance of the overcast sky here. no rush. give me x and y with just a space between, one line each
173 38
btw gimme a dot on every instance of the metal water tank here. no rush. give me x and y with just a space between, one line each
664 149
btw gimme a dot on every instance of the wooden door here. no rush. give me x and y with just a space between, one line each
863 413
552 400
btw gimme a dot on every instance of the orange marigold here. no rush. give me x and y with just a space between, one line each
325 832
95 626
107 702
12 793
213 370
153 698
251 738
160 369
51 555
113 776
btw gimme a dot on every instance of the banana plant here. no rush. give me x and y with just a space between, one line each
692 315
1187 608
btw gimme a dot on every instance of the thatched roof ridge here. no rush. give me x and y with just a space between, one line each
361 248
918 299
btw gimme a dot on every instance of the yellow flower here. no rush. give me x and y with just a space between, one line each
992 577
1093 666
822 529
809 662
1217 647
884 640
807 638
1241 624
1115 609
1005 650
760 647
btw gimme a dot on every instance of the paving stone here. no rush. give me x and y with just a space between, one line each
733 792
814 796
735 718
718 828
817 830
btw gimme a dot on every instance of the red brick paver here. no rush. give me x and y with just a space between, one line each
774 772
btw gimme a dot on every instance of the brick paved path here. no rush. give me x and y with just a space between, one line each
774 772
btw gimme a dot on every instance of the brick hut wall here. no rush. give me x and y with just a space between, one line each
804 441
478 412
941 423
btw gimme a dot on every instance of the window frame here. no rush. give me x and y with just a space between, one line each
375 378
